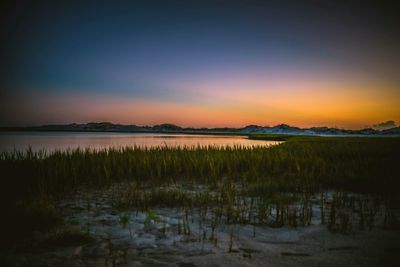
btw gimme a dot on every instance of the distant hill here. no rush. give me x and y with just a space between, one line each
387 125
171 128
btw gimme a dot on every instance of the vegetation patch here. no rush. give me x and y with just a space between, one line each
274 186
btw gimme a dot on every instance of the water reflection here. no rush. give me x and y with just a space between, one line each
51 141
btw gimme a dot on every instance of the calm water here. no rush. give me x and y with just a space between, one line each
51 141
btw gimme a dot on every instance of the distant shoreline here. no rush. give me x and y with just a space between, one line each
281 129
119 131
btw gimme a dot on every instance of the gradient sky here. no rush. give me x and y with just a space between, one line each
200 63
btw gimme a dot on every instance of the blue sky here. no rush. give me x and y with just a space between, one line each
181 52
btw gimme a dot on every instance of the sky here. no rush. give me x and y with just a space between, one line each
200 63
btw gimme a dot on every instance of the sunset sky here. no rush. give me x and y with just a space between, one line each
200 63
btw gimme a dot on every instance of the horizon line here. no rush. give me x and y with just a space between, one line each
201 127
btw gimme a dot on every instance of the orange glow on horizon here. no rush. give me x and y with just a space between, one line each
350 106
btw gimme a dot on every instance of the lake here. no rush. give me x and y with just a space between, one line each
51 141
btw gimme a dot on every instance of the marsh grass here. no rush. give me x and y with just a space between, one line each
230 185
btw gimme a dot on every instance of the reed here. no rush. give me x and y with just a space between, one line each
234 184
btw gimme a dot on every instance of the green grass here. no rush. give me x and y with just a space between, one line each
271 177
359 164
340 163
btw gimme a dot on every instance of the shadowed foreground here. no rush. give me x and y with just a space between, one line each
308 201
